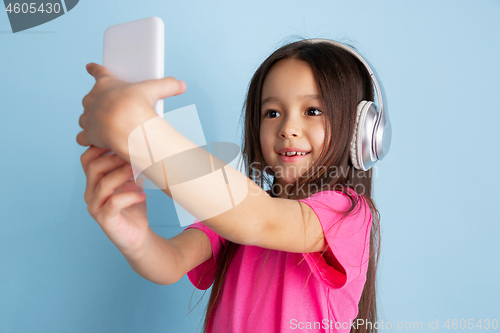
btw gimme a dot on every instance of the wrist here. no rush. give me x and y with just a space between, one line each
137 254
123 123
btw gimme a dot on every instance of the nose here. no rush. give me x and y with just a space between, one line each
290 128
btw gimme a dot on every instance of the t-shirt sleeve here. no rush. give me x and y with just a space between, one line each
348 238
203 275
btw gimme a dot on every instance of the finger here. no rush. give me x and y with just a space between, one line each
91 154
183 89
163 88
97 71
98 169
82 140
115 204
85 100
107 186
80 120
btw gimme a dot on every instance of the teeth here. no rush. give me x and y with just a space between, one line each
292 153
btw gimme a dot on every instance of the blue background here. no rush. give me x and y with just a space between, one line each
437 190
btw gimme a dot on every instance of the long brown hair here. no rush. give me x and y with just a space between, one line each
342 82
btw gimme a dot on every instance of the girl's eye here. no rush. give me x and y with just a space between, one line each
316 111
271 112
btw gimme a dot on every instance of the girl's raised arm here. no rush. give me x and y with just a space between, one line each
114 110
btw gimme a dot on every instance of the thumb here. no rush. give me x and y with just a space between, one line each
97 71
162 88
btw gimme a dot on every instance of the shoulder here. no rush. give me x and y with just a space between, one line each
336 200
211 234
202 250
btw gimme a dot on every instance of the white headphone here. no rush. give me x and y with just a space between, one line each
372 134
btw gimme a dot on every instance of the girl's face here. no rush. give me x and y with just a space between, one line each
291 119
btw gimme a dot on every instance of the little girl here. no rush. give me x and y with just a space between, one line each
300 117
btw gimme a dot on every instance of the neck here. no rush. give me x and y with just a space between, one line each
278 189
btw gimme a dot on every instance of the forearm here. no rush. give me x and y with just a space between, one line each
160 263
228 209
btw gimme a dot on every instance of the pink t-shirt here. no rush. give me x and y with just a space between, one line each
280 300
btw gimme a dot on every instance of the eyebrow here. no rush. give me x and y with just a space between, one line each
272 99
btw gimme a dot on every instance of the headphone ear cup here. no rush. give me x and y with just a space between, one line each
356 148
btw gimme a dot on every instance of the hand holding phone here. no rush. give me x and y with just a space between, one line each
135 51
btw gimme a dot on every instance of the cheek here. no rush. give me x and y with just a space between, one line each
264 144
319 137
264 137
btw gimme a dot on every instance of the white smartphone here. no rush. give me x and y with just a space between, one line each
135 51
